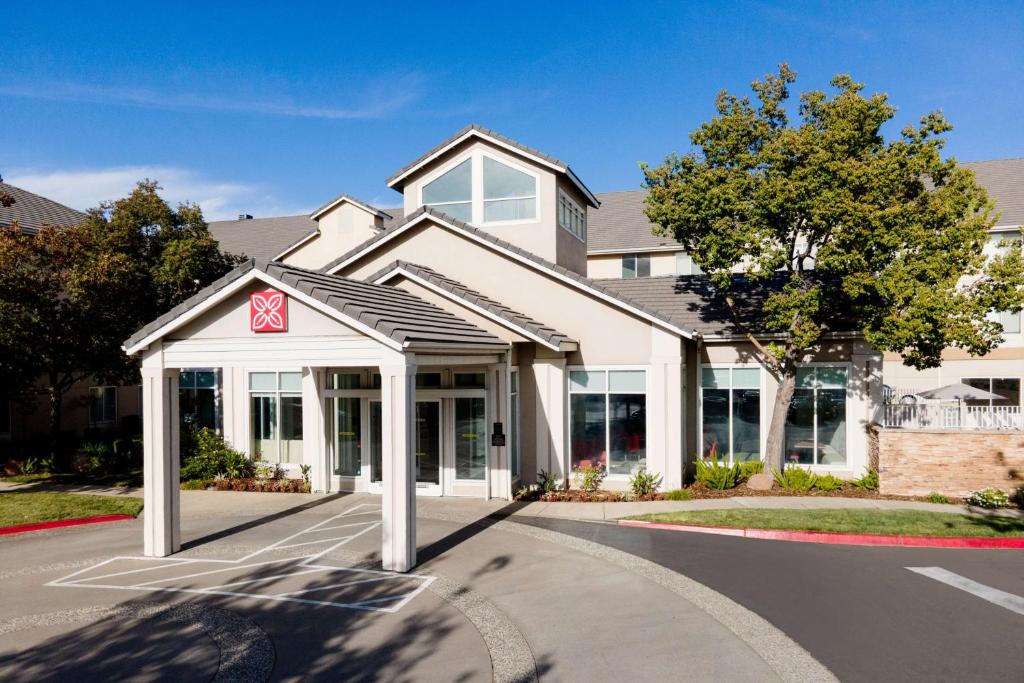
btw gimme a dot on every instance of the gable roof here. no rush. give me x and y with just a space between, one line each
384 312
262 238
397 180
1003 179
351 200
32 211
536 262
488 307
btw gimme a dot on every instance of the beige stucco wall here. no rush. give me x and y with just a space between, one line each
1004 362
339 230
610 265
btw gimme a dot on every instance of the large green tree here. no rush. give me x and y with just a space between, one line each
855 232
70 296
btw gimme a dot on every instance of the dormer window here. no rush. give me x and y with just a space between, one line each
482 190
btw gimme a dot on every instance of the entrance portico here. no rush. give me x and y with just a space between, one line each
328 326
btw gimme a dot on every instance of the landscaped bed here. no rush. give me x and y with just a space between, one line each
884 522
17 508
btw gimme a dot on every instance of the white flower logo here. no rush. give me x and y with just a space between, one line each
267 311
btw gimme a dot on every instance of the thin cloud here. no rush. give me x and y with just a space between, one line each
378 102
86 188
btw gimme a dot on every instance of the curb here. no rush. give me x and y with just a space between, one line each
57 524
836 538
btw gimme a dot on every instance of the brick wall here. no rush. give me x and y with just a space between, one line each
954 463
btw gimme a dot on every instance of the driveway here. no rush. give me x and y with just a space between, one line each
859 610
288 587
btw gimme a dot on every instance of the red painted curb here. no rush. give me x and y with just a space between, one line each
839 538
78 521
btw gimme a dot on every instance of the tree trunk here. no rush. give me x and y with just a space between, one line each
56 398
777 426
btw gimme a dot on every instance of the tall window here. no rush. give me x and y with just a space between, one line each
685 265
1007 387
102 406
608 419
571 217
452 192
470 437
1008 319
482 189
275 416
197 398
513 429
731 413
816 423
5 418
636 265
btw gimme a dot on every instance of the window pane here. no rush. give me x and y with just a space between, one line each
291 381
1008 388
627 414
347 446
469 380
746 424
831 405
344 380
715 411
186 379
428 380
629 266
291 429
983 383
714 377
453 186
643 265
376 439
428 442
832 378
746 378
501 181
587 429
262 381
627 380
109 404
593 380
463 210
1009 321
263 422
800 428
470 438
805 377
514 381
206 379
510 209
513 434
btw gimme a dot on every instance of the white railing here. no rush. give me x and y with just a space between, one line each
945 416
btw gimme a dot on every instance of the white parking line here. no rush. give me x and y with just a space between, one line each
1012 602
303 565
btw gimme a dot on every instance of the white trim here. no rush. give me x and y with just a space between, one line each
517 257
471 306
562 195
817 466
763 416
354 202
296 245
472 132
644 250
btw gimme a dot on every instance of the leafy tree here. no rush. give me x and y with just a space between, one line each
882 237
70 296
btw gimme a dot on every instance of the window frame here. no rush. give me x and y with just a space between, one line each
515 419
694 268
105 422
7 411
573 206
476 194
277 393
848 367
606 392
762 435
991 378
636 257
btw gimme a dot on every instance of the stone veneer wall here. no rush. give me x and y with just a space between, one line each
917 462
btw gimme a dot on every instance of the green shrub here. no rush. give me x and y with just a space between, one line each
934 497
306 469
679 494
715 475
1018 497
588 478
868 482
827 483
644 483
196 484
991 499
795 478
209 456
750 468
546 481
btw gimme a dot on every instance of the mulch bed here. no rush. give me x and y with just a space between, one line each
700 492
258 485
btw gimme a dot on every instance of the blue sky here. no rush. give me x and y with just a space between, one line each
275 110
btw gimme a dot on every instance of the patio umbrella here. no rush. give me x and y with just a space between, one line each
960 392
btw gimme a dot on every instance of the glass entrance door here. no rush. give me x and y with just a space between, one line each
427 443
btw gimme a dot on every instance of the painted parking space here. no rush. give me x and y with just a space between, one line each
308 579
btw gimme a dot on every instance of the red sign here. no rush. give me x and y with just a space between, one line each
268 311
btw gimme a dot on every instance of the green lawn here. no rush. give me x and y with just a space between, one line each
890 522
129 478
28 508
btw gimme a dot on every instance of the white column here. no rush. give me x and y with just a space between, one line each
665 408
314 431
549 378
398 505
863 398
499 466
161 436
